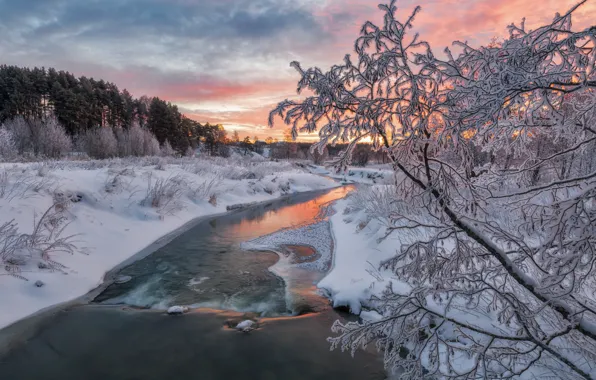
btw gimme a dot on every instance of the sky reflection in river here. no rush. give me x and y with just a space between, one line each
206 267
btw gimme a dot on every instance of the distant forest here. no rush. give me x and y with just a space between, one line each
104 121
81 104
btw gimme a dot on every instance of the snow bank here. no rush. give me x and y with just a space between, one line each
116 208
358 253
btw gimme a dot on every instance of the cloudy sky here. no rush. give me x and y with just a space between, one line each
227 61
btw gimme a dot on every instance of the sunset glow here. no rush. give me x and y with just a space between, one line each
228 61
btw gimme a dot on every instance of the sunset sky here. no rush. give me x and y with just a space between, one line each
227 61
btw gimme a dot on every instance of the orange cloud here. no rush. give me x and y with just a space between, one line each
440 23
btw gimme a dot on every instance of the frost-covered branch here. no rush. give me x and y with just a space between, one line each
493 147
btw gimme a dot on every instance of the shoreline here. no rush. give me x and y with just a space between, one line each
28 326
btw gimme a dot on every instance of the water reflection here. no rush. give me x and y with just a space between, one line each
270 219
206 267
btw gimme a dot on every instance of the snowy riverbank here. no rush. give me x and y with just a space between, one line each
116 208
362 243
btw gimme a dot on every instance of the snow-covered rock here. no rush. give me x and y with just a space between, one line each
246 325
177 310
122 279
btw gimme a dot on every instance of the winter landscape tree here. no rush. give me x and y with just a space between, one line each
495 278
235 137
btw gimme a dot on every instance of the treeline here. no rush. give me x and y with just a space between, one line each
49 113
84 104
289 149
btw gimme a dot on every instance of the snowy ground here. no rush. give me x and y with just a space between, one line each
358 252
361 243
116 208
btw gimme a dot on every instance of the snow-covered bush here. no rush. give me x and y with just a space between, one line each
99 143
136 141
165 194
49 138
190 152
125 144
21 184
21 134
41 137
8 146
167 150
150 144
205 190
47 240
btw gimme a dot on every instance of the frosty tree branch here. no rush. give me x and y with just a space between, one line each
494 144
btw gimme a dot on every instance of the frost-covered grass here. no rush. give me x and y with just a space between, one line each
105 211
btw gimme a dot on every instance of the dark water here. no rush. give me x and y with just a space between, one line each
204 266
104 343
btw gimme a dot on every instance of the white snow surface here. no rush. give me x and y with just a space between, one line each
109 220
314 235
354 277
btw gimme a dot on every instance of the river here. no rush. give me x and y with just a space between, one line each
125 333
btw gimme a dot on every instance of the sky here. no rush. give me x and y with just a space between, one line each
227 61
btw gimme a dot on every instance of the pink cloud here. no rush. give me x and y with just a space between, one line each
440 23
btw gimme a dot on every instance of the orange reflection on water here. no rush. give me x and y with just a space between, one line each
289 216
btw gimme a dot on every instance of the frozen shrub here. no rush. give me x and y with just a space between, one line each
136 141
8 147
167 150
49 138
43 137
123 142
205 190
99 143
190 152
165 194
46 240
150 144
378 201
21 134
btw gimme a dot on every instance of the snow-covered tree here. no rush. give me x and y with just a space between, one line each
8 147
41 137
21 134
493 152
99 143
167 150
50 138
150 144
